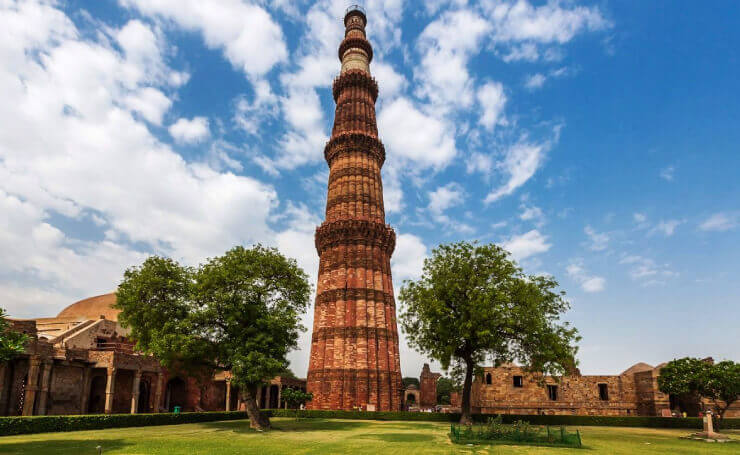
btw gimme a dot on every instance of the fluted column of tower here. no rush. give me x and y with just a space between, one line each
354 348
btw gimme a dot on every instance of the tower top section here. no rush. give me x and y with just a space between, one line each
356 11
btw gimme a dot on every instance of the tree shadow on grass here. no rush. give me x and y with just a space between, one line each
398 437
61 447
301 425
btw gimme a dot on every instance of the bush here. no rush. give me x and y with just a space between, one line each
519 432
47 424
573 420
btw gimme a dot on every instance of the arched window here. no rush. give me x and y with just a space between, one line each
488 378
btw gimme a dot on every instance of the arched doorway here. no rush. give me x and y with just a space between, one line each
176 394
96 402
144 392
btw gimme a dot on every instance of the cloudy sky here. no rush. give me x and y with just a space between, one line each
597 141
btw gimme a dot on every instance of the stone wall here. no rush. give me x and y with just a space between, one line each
65 394
428 387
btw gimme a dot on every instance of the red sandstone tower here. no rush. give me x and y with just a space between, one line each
354 349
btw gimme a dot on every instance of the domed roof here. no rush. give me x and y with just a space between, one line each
637 368
92 308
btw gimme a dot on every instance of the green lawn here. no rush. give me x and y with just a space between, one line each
318 436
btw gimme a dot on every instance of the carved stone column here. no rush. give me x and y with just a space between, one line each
110 389
267 396
45 386
228 395
280 395
86 382
158 393
32 386
135 392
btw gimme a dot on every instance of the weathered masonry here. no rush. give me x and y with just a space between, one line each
354 360
81 362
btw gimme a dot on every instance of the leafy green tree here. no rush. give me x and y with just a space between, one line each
239 312
295 398
408 381
445 386
12 343
718 382
473 303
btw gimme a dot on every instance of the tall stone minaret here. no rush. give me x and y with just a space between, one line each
354 349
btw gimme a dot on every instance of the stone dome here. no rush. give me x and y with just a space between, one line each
92 308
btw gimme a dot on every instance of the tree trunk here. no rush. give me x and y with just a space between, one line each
465 418
257 420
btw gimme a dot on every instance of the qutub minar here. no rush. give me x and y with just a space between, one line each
354 348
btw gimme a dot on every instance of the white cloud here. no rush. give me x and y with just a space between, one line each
721 221
71 147
520 163
246 33
535 81
390 82
589 283
598 241
667 173
443 74
667 227
492 100
401 122
190 131
639 218
151 103
525 245
516 21
443 198
646 270
533 214
249 116
408 258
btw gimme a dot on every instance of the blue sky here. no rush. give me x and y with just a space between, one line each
597 141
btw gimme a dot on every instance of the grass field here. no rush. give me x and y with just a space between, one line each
318 436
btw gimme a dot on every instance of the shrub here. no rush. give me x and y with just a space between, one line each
47 424
573 420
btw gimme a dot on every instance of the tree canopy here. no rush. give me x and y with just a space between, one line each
718 382
240 312
445 387
473 303
12 343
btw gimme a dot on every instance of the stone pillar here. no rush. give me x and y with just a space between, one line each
135 392
110 389
86 383
267 396
32 386
158 393
45 386
228 395
280 395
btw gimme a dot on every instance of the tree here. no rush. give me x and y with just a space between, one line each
473 303
295 398
239 312
12 343
445 387
718 382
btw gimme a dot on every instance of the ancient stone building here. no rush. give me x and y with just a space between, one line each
428 387
510 390
354 348
81 362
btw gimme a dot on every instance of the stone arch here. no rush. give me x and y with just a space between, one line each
488 379
96 401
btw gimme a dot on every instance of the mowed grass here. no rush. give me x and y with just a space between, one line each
319 436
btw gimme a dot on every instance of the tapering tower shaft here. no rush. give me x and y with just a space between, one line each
354 348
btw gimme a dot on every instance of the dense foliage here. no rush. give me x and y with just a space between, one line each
473 304
240 312
717 382
12 343
519 432
294 398
445 387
